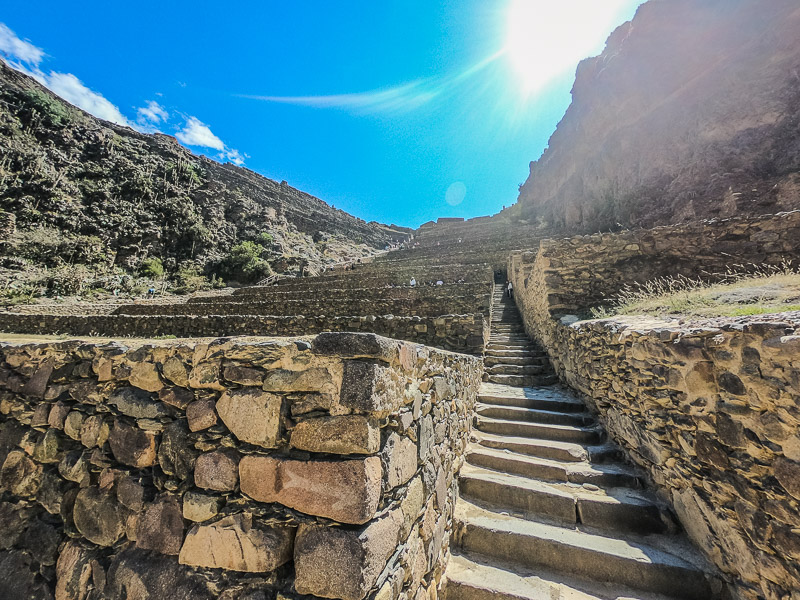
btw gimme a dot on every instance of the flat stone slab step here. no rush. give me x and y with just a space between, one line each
534 415
552 449
508 461
609 509
507 369
662 565
547 398
561 433
475 577
523 380
490 361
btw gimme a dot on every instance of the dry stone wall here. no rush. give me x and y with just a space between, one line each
711 409
459 333
233 468
585 271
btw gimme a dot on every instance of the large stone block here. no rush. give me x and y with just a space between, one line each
235 544
332 562
217 471
132 446
337 435
99 517
160 528
371 388
252 415
400 460
347 491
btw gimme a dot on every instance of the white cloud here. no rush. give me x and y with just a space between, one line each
73 90
197 133
24 56
15 48
151 114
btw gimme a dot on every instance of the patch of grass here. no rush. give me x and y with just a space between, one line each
761 289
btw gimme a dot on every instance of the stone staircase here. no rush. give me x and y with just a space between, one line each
548 510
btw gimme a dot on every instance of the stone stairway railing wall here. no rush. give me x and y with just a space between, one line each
708 407
231 468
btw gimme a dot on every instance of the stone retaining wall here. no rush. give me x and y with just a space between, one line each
236 469
460 333
711 409
585 271
320 304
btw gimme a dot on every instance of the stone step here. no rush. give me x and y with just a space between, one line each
661 565
545 469
541 398
523 380
523 353
490 361
552 449
509 369
561 433
474 577
611 509
534 415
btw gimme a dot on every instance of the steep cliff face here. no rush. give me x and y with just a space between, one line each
692 111
84 190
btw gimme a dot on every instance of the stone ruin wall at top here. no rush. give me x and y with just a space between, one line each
218 469
710 408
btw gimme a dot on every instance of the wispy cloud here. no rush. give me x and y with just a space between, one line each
151 114
24 56
391 100
11 45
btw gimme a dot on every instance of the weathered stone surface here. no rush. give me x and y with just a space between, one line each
160 527
58 414
244 375
37 384
41 541
201 414
399 458
94 431
199 507
73 424
137 574
136 403
20 475
73 572
206 375
337 435
130 493
145 376
371 388
177 397
73 467
340 563
235 543
99 517
47 448
19 580
132 446
310 380
174 370
787 472
217 471
252 415
347 491
176 455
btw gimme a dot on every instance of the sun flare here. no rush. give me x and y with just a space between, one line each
544 39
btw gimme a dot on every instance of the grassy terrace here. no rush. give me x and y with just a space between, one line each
740 295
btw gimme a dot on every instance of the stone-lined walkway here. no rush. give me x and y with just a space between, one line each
548 510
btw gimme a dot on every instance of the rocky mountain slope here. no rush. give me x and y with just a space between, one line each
690 112
78 190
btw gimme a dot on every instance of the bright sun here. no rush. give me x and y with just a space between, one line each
546 38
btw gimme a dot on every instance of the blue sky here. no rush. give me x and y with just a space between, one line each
399 111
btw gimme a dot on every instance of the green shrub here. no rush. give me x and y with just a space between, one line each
152 267
245 263
189 279
52 109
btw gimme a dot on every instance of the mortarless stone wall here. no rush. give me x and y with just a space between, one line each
234 468
710 408
459 333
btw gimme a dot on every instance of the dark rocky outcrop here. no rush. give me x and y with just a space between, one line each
689 113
